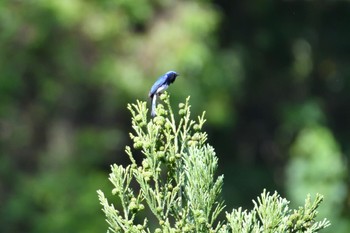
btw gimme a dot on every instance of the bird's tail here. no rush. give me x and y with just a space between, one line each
154 99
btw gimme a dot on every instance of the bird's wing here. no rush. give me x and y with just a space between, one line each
161 81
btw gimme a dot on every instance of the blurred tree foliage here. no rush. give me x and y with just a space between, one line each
273 77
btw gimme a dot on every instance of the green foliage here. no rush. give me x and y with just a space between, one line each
271 213
317 165
68 67
176 182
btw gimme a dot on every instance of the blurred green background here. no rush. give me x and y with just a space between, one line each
273 77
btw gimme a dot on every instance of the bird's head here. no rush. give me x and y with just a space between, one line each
172 75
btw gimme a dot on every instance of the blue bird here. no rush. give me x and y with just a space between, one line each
159 86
